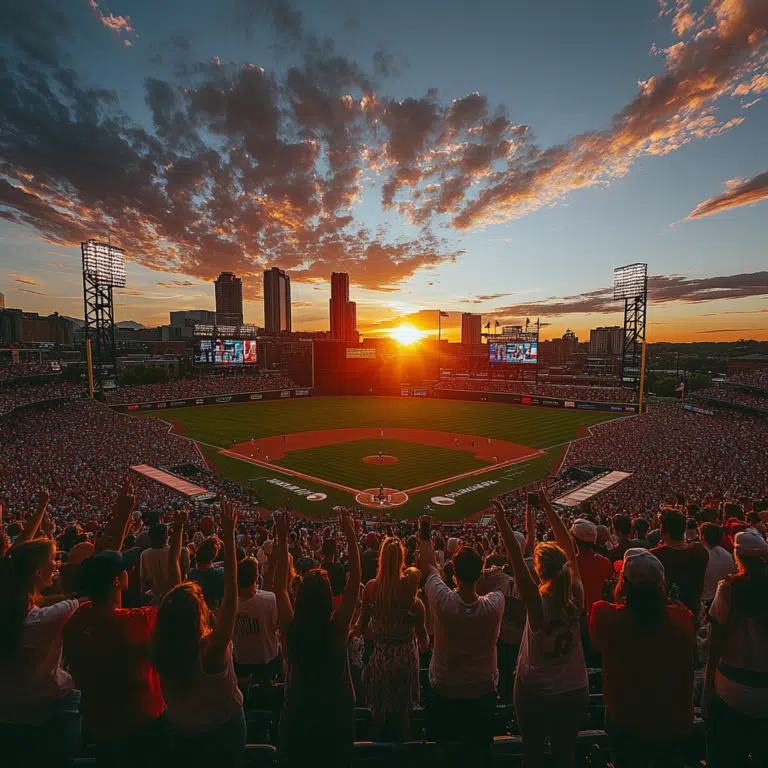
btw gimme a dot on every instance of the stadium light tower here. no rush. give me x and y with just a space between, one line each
630 283
103 270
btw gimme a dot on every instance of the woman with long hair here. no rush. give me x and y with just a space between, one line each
649 706
38 700
193 656
396 615
551 688
736 684
319 709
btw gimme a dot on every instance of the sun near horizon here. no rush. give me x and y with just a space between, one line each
406 334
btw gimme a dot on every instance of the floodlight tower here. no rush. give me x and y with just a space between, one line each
103 270
631 284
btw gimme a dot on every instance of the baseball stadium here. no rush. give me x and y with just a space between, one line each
385 454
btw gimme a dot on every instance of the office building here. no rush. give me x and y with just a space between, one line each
608 340
343 312
229 299
187 317
471 328
277 301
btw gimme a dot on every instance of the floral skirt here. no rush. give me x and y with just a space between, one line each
391 676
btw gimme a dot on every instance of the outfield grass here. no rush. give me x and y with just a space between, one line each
549 430
417 464
536 427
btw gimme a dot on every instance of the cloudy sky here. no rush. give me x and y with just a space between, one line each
499 157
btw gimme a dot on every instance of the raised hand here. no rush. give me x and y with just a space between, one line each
126 501
228 519
43 497
498 512
544 499
347 524
283 525
180 519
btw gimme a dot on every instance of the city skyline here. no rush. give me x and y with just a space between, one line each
508 180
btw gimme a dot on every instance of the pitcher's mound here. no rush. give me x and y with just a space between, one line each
384 460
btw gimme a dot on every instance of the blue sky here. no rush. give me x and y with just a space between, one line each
590 167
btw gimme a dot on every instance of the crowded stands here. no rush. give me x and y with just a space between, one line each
567 391
25 369
200 387
755 378
671 450
15 395
731 396
136 629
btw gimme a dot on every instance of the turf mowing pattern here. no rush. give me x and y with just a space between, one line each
217 426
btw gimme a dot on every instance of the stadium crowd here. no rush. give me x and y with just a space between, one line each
670 450
79 450
567 391
14 395
200 387
180 642
23 368
755 378
735 396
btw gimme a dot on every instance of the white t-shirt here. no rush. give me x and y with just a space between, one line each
32 681
255 636
464 658
153 566
551 660
721 563
745 644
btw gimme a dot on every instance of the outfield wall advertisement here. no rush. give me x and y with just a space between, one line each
545 402
242 397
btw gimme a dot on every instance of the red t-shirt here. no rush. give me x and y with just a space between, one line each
647 673
595 570
109 658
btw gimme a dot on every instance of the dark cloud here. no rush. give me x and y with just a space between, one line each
738 192
176 283
494 296
727 330
241 168
662 289
29 290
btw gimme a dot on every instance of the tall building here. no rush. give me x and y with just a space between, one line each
229 299
471 328
185 317
607 340
2 301
343 312
277 301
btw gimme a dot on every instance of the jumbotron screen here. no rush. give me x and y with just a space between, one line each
226 352
513 352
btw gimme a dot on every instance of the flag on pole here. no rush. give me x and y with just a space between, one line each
444 314
680 387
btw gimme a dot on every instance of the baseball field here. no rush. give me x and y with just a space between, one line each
388 454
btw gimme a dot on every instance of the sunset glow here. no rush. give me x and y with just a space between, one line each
406 334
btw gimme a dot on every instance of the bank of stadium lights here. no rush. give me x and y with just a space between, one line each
104 263
630 282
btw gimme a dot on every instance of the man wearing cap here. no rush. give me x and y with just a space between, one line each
108 650
649 705
595 569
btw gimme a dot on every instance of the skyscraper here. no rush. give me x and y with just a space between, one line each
343 311
471 328
229 299
606 340
277 301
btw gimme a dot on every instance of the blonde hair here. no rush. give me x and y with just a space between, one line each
556 578
410 588
387 587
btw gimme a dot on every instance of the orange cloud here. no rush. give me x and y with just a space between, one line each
738 192
24 280
118 24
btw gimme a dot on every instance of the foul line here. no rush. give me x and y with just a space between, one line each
286 471
482 471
